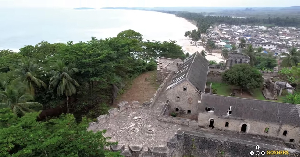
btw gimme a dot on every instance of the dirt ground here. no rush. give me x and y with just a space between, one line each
142 89
245 94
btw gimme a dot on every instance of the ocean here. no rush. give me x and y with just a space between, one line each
29 26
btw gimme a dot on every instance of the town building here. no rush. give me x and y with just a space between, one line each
236 58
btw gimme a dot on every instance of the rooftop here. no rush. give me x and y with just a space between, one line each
194 69
266 111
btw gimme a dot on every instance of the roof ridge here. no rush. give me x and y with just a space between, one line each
190 67
255 100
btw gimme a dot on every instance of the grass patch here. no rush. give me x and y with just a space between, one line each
257 94
221 88
152 79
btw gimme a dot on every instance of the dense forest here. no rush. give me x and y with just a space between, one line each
204 22
82 78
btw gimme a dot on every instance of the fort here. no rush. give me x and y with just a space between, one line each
206 125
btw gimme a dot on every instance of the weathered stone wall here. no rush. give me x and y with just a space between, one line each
165 117
253 127
270 90
185 101
160 88
140 151
214 76
198 144
268 74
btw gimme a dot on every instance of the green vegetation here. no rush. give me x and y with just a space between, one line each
85 78
292 58
257 94
292 98
243 76
57 137
194 35
225 90
221 88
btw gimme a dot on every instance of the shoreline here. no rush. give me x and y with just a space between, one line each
191 48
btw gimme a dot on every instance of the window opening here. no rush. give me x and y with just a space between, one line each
189 111
177 109
292 140
211 123
244 128
226 124
284 133
209 109
184 88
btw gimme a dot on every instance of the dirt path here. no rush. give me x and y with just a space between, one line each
142 89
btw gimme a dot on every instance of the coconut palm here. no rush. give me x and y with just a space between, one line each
17 99
251 53
62 82
203 53
27 75
242 43
225 53
260 50
292 58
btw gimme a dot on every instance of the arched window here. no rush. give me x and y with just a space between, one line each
211 123
244 128
284 133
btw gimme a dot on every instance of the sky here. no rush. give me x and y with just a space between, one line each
148 3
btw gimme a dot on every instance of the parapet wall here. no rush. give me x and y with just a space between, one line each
159 90
214 76
199 144
165 117
140 151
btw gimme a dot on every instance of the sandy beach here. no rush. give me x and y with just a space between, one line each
191 49
186 45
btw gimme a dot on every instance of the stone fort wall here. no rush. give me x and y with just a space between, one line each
197 144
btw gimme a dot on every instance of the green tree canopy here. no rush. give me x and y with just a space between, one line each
244 76
292 58
58 137
292 98
265 62
17 99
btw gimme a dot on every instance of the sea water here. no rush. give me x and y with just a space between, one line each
29 26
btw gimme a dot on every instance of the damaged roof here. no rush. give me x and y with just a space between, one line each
194 69
266 111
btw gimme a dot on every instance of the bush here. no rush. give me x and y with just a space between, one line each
57 137
173 114
214 91
151 66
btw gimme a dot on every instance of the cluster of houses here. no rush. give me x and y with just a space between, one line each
275 39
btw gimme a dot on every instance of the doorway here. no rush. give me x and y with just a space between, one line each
244 128
211 123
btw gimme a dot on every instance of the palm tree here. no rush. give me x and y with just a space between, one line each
15 97
225 53
292 58
27 72
251 53
203 53
62 81
242 43
260 50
